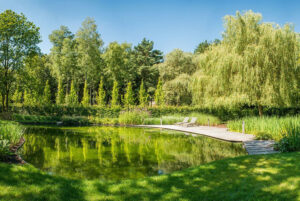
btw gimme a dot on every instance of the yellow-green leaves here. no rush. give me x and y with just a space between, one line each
254 65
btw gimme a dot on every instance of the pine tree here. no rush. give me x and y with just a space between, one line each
101 94
115 95
159 94
72 98
47 94
60 93
86 97
128 98
143 96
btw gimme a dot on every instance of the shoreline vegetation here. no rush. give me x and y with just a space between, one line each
11 140
285 130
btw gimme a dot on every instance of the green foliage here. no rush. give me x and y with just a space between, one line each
166 120
177 91
86 97
203 46
119 64
144 59
135 117
291 138
256 64
74 121
10 135
27 98
36 119
115 95
63 55
143 96
202 119
72 97
129 96
101 94
60 94
88 49
159 94
33 76
176 63
104 121
266 127
17 96
47 94
18 38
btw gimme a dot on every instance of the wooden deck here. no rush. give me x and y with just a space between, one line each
252 146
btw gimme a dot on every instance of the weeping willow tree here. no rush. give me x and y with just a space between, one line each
256 64
177 91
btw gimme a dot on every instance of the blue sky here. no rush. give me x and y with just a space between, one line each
170 24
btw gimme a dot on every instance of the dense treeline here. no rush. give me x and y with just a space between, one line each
255 64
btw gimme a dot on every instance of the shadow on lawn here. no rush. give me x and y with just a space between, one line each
31 184
270 177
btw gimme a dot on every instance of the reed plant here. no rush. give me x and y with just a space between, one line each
267 127
10 134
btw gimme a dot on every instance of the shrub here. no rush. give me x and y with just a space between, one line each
134 117
35 118
10 134
69 121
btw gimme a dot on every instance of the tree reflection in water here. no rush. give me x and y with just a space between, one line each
115 153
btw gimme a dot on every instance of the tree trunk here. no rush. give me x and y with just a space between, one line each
260 110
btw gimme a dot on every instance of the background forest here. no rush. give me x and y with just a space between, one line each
255 64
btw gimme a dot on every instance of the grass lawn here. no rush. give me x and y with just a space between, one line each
262 177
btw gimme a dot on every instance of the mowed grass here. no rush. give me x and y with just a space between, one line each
261 177
266 127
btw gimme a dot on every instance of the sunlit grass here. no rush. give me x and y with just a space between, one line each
262 177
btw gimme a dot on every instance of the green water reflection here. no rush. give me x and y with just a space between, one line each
115 153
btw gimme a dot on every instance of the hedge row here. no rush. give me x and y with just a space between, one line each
106 112
57 110
225 113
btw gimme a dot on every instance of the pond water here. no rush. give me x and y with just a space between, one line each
114 153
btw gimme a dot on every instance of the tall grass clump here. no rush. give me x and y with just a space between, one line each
266 127
135 117
291 138
10 134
